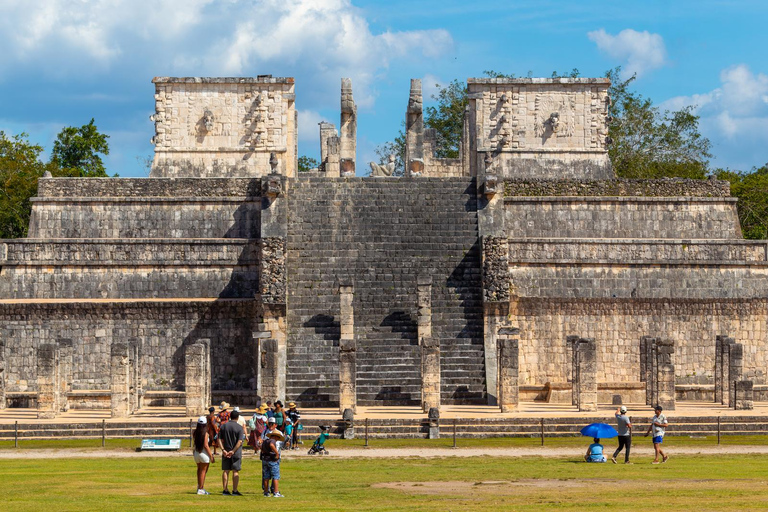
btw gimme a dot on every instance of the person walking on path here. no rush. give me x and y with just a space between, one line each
201 451
270 461
213 428
259 427
231 438
224 414
625 434
658 425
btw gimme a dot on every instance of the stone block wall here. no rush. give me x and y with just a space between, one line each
223 126
161 328
618 324
130 269
380 236
621 217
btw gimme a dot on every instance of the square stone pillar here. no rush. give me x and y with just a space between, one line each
648 346
743 395
587 368
47 381
735 369
327 130
571 350
645 367
719 368
65 374
347 350
136 388
414 131
665 376
267 379
347 129
2 375
120 380
430 347
509 366
196 371
725 370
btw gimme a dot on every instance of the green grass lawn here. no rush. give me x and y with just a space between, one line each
451 483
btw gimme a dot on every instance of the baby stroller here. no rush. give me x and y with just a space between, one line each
319 445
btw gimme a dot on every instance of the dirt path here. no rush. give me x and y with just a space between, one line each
638 451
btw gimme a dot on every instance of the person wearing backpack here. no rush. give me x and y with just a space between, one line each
270 461
257 425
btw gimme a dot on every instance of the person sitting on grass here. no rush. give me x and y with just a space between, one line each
595 452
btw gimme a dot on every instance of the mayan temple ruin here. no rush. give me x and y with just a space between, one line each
522 270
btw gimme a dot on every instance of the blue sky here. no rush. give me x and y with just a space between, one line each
65 61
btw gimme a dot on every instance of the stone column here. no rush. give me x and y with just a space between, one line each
719 368
348 129
65 374
735 370
665 377
196 362
273 273
2 375
137 391
743 395
430 346
327 130
268 375
347 350
120 380
414 131
332 164
571 348
587 367
651 370
47 381
725 370
509 366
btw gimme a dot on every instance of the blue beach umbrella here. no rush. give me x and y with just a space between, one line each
599 430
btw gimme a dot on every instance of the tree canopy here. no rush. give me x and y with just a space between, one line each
75 154
79 148
752 190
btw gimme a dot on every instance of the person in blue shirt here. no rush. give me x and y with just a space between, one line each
595 452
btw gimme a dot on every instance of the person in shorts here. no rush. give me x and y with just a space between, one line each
201 452
270 461
658 425
231 438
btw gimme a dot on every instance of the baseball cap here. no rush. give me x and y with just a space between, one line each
271 420
201 420
623 408
236 409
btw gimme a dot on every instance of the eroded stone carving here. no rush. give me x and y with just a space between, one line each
554 115
207 121
383 170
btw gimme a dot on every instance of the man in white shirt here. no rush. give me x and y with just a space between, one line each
658 424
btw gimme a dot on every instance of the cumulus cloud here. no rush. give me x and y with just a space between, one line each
734 116
318 41
430 86
637 52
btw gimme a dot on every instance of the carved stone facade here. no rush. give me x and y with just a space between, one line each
223 126
123 282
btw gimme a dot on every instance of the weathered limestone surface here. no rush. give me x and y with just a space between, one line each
430 347
743 395
347 350
223 126
414 131
508 369
586 359
347 130
120 376
197 378
268 374
665 379
47 381
2 374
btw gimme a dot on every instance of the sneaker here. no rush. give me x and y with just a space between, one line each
266 495
236 493
203 492
665 459
226 493
278 495
655 462
613 459
627 462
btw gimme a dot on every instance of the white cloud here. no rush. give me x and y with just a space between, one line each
309 131
314 40
638 52
430 85
734 116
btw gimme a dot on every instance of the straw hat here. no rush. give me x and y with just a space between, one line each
223 405
276 434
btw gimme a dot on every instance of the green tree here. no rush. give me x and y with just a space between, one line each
307 163
447 118
752 190
79 148
20 168
395 147
650 143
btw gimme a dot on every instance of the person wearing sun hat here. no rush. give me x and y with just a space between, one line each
223 414
295 417
259 421
270 460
